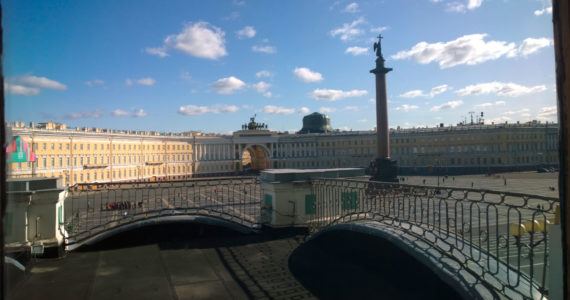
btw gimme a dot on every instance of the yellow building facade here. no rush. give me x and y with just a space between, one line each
90 155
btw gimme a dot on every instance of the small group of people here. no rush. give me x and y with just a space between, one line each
123 205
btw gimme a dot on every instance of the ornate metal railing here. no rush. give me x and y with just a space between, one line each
498 235
93 208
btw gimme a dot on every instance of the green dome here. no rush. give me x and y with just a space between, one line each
316 123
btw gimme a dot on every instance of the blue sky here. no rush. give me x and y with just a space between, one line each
210 65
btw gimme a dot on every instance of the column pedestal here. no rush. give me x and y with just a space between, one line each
384 169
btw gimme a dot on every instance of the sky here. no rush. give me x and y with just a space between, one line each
174 66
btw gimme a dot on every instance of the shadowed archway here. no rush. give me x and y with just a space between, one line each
255 158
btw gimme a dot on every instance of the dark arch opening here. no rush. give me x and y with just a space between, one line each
344 264
167 235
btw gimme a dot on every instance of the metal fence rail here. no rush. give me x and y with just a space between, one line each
484 227
93 208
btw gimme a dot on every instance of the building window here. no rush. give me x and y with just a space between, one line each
60 162
52 146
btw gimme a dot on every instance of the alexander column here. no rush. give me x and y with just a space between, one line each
382 168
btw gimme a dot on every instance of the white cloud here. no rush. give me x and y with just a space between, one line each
378 29
306 75
232 16
264 49
483 105
246 32
498 120
139 113
142 81
489 104
223 108
531 45
325 110
468 49
356 50
540 12
419 93
277 110
95 82
522 111
501 89
406 107
362 121
93 114
15 89
413 94
193 110
238 3
38 82
146 81
268 94
263 73
456 6
304 110
158 51
351 108
200 40
351 8
348 31
547 113
136 113
447 105
473 4
228 85
261 86
334 95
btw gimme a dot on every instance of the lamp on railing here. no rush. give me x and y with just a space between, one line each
531 227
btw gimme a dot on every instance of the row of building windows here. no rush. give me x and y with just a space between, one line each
52 146
80 160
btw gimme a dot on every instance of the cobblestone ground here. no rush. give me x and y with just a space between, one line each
543 184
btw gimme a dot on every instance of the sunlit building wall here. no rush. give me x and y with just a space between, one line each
94 155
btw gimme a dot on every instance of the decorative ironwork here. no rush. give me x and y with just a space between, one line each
91 209
498 235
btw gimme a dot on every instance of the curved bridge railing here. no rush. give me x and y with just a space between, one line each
484 230
91 209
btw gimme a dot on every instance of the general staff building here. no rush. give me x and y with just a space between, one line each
91 155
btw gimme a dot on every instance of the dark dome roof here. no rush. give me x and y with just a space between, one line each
316 123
